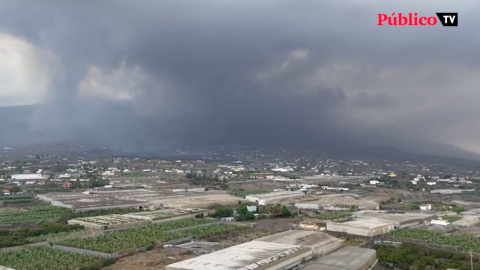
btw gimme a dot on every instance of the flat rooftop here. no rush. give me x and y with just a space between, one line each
303 238
346 258
396 219
364 223
348 200
254 254
275 195
136 198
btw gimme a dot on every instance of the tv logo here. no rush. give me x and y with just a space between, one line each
446 19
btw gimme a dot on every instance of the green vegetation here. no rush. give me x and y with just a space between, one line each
206 181
223 211
453 218
243 193
150 235
9 238
462 242
410 256
47 190
45 259
353 242
16 199
332 215
32 214
414 207
286 212
35 214
390 182
274 210
243 213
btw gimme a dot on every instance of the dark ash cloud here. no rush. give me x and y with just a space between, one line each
213 72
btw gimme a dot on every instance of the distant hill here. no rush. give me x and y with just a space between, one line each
16 122
394 154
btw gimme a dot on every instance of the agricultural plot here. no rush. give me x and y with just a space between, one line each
150 235
332 215
14 199
10 238
163 214
47 190
244 193
44 259
45 237
462 242
32 214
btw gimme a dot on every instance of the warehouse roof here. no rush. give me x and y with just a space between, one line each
395 218
347 200
346 258
364 223
299 237
253 255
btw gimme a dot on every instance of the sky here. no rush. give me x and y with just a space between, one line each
282 73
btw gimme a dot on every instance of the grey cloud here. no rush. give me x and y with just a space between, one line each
222 71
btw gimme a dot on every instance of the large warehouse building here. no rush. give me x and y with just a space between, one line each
346 258
250 255
274 197
399 220
286 250
335 201
320 243
367 228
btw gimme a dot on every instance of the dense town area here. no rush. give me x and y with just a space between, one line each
233 209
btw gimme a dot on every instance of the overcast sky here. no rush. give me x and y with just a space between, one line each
247 72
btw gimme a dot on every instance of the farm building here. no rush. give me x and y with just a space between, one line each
136 198
274 197
442 222
286 250
109 222
346 201
367 228
320 243
312 225
346 258
313 205
250 255
135 219
27 177
399 220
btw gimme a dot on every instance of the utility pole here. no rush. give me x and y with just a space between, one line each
471 259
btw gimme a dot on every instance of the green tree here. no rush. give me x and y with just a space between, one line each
223 212
286 212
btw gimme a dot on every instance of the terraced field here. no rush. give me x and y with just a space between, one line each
461 242
32 214
44 259
150 235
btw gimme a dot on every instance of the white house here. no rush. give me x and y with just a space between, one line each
442 222
374 182
108 173
36 176
426 207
